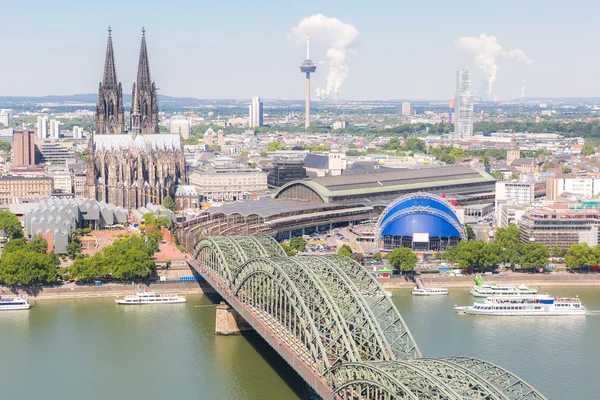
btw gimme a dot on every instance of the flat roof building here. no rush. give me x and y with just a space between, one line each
23 148
228 184
21 189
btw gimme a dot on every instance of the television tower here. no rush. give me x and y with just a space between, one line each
307 67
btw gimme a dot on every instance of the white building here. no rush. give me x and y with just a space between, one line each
77 132
255 113
63 180
54 129
463 105
583 186
228 184
181 124
42 127
406 109
519 194
6 116
340 124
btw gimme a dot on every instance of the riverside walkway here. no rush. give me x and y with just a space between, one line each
333 323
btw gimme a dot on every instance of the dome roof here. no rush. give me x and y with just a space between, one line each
417 213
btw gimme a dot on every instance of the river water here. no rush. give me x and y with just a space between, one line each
92 349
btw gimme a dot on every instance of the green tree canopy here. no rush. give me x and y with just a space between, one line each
579 255
192 141
38 244
470 232
557 251
5 146
298 243
345 250
25 267
157 220
10 224
588 150
534 255
403 259
497 175
74 248
169 203
274 146
288 249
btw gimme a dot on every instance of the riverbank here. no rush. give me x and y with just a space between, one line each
532 280
71 291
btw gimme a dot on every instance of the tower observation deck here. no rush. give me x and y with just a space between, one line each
307 67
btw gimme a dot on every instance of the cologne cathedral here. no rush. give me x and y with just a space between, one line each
130 163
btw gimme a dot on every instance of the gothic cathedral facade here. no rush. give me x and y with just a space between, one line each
130 166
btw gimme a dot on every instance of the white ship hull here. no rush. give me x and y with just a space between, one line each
532 306
5 307
430 292
151 298
139 301
515 313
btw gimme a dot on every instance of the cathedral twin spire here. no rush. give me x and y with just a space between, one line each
144 107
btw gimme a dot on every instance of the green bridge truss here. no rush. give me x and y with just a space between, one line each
337 319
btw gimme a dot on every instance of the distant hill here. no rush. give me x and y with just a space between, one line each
79 98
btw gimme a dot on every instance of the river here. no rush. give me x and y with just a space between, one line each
92 349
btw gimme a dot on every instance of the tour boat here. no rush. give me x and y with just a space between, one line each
519 305
499 290
151 298
429 291
14 303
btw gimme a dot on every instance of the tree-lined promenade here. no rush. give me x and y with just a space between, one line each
28 262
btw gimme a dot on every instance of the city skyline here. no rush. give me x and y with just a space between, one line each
412 60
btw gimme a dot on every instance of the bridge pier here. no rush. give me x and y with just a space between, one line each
229 322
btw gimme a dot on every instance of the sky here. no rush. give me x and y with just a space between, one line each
239 49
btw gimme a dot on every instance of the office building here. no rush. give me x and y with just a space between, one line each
22 189
77 132
228 183
6 116
255 113
56 152
512 194
568 185
54 129
23 148
463 127
285 170
42 127
406 109
182 126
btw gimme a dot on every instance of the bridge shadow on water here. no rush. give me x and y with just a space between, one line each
279 365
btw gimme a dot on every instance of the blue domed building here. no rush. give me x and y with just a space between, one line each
421 222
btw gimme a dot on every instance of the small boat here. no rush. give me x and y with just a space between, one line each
429 291
151 298
482 289
14 303
529 306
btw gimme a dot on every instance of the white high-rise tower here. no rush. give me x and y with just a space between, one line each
463 106
255 113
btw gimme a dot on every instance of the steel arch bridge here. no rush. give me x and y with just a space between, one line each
335 325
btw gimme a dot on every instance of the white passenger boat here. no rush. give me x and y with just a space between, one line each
429 291
151 298
530 306
500 290
14 303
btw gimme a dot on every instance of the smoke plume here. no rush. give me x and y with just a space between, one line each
487 50
337 36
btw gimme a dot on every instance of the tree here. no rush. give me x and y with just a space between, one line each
25 267
10 224
38 244
298 243
345 250
263 154
13 245
192 141
588 150
566 169
157 220
457 152
497 175
5 146
215 148
509 240
415 145
403 259
74 248
534 255
470 232
274 146
377 256
579 255
557 251
168 203
288 250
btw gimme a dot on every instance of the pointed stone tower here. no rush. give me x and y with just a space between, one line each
109 109
144 100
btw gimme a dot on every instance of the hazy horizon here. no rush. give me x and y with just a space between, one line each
395 51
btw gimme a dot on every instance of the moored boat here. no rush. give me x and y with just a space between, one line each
151 298
429 291
14 303
539 305
482 289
